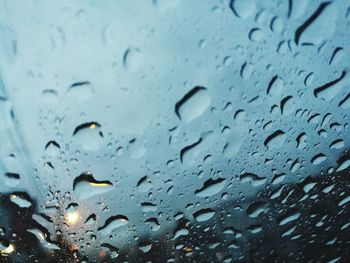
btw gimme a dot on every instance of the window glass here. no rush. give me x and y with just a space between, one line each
174 131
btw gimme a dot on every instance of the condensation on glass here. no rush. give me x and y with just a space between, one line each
174 131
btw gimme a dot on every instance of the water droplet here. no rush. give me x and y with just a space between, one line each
145 247
153 223
113 223
329 90
43 239
337 144
11 179
257 208
256 34
204 215
132 58
21 200
144 184
318 159
188 151
319 26
81 91
89 136
344 201
148 207
243 8
50 97
275 140
343 165
193 104
275 87
289 217
52 149
211 187
287 105
136 149
345 103
246 70
253 179
180 232
85 186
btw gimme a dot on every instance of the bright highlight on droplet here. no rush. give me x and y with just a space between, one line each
93 126
99 184
72 217
8 250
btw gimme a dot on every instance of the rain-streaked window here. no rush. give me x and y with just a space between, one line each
174 131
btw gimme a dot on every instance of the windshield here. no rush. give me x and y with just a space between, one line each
174 131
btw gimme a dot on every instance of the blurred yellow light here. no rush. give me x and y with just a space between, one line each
72 217
92 126
8 250
188 249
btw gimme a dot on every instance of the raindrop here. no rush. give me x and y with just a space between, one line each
132 58
89 135
243 8
275 87
211 187
52 148
246 70
11 179
144 184
329 90
136 149
257 208
318 159
43 239
256 34
148 207
85 186
253 179
193 104
275 140
21 199
186 151
343 165
204 215
112 223
345 103
319 26
81 91
289 217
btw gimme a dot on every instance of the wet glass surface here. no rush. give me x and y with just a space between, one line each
174 131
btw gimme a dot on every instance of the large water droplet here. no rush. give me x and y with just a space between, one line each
289 217
52 148
211 187
193 104
204 215
275 140
112 223
257 208
243 8
89 136
85 186
21 200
